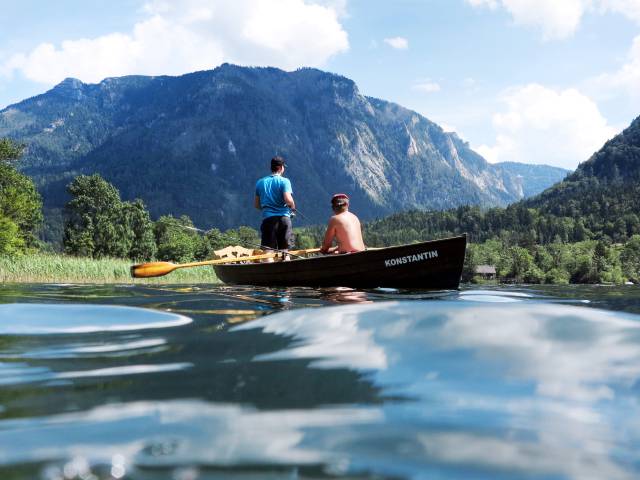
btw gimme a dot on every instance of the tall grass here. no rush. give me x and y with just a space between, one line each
55 268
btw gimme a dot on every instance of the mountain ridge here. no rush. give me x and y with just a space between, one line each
605 184
599 201
195 144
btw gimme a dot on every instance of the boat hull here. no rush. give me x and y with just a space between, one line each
435 264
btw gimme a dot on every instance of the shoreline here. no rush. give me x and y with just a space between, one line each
65 269
53 268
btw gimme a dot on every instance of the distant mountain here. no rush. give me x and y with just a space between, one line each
600 200
196 144
535 178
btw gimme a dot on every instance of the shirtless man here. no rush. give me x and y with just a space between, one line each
344 226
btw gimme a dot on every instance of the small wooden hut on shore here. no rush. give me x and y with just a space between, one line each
487 272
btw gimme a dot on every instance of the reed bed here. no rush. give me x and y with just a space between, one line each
55 268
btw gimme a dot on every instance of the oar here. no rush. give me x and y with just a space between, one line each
158 269
262 247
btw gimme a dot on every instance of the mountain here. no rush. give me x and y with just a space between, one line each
599 201
605 189
195 144
535 178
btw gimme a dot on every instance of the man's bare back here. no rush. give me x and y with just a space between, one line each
345 228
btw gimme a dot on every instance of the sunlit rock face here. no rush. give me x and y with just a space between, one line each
157 138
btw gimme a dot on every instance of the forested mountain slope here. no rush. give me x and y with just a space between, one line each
600 200
196 144
605 188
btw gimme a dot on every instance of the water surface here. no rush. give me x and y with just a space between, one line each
236 382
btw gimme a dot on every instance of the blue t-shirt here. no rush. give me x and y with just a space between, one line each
271 190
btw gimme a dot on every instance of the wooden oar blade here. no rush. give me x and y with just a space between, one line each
153 269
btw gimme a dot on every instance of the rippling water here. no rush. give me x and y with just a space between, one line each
229 382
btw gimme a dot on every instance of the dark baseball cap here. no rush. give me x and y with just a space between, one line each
277 162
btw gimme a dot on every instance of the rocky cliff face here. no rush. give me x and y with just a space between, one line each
196 144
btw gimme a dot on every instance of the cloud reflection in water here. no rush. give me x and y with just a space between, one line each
473 390
542 389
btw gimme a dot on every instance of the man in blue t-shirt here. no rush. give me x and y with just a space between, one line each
274 198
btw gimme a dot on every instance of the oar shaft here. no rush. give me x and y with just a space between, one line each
295 253
158 269
262 256
226 260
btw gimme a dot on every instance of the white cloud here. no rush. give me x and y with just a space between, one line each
187 35
627 78
448 127
559 19
427 86
543 125
156 46
628 8
399 43
339 6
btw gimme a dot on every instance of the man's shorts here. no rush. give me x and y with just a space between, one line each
277 232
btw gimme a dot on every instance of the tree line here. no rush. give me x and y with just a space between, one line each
589 261
524 243
99 224
528 244
515 254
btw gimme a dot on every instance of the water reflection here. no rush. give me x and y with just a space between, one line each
40 319
344 295
235 382
333 337
541 387
61 349
155 434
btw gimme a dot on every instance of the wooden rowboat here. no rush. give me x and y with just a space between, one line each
435 264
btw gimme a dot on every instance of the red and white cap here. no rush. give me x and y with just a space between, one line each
340 199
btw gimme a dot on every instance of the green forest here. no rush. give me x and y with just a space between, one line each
522 244
585 229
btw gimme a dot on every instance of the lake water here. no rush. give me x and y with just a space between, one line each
131 382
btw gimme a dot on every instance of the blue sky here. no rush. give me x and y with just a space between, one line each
536 81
